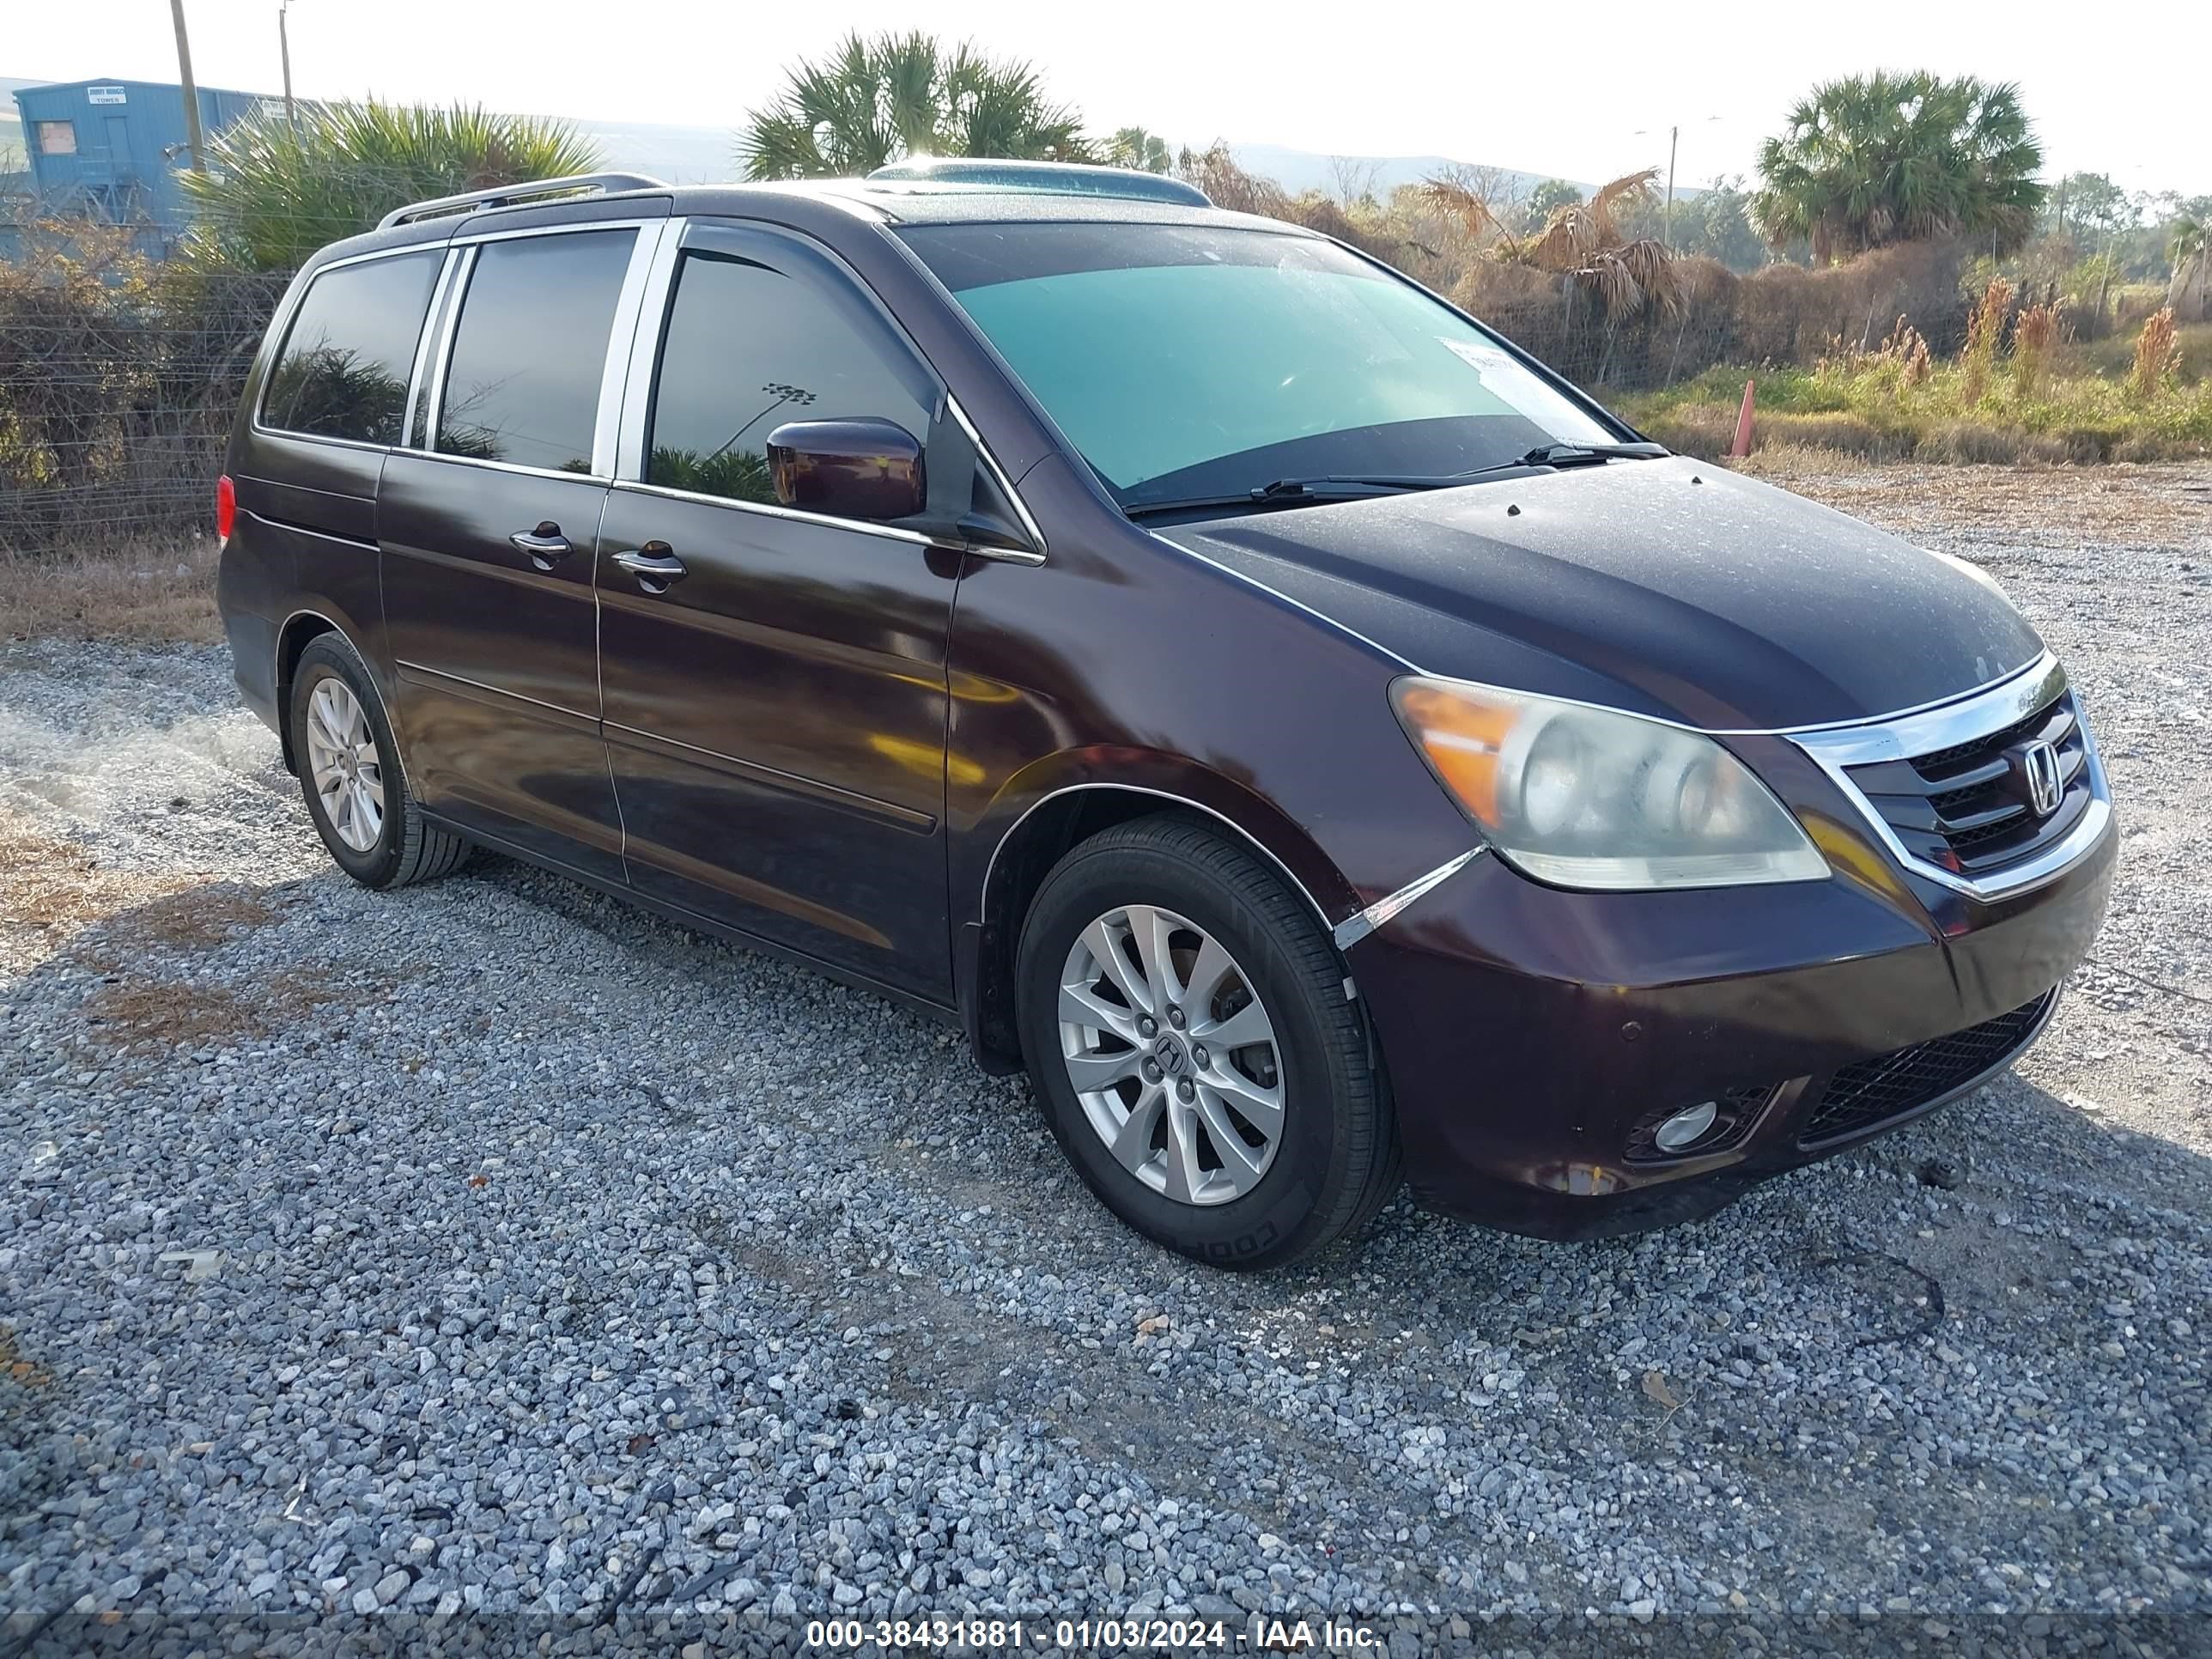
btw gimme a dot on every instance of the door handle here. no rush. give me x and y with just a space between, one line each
546 545
654 565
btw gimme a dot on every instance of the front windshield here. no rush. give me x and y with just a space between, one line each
1193 361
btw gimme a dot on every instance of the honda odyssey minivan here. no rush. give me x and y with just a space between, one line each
1321 746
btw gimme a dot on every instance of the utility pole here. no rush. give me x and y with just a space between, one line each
284 48
193 136
1667 222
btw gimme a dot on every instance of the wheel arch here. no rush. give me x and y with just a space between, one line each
1027 840
299 629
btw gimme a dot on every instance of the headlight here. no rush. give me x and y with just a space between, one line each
1592 798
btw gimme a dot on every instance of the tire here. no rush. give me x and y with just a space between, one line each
1333 1158
404 848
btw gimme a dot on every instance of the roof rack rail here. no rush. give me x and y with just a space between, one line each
500 195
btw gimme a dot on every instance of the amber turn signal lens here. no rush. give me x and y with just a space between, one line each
1462 740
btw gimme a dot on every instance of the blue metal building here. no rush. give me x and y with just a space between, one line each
115 147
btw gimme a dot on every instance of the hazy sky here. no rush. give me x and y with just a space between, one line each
1560 87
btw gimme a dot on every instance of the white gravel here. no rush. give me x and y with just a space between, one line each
494 1246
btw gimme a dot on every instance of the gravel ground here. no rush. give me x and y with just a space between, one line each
492 1245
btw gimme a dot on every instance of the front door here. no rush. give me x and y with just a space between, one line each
489 545
774 682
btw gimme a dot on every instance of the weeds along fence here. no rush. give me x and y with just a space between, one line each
1786 315
124 347
119 377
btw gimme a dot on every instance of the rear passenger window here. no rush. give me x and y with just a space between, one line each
342 372
523 386
747 348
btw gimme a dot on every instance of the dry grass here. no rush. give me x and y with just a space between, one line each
132 1014
198 920
1984 334
150 592
52 889
2158 354
2034 339
168 1012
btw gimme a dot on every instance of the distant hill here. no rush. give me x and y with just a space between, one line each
690 155
1298 170
682 155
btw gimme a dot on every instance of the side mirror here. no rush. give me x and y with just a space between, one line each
856 468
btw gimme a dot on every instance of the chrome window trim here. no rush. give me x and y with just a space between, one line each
643 363
434 395
460 271
280 330
621 340
434 328
645 354
1921 731
575 227
1039 549
769 509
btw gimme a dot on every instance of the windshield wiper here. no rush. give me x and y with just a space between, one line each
1357 486
1566 454
1298 492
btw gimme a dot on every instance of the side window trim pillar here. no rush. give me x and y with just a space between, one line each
643 297
461 267
657 283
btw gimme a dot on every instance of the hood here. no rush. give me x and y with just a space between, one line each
1671 587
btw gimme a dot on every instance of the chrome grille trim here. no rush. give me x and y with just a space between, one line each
1979 715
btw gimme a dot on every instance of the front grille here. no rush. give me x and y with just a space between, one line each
1968 809
1889 1085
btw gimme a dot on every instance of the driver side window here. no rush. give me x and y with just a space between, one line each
747 348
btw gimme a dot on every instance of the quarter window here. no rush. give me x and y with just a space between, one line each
749 348
343 372
524 382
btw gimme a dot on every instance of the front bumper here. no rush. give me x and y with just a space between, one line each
1532 1034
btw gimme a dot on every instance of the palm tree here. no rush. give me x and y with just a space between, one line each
1582 243
275 190
1136 147
1882 158
877 99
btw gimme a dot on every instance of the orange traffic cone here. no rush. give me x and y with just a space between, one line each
1741 447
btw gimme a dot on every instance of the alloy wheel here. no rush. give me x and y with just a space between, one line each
343 764
1172 1054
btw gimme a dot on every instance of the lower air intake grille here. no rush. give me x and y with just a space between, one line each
1889 1085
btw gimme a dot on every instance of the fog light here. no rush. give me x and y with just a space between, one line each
1686 1127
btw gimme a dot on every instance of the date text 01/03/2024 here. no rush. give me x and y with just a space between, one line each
1264 1635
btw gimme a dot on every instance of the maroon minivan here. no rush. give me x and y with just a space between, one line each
1321 745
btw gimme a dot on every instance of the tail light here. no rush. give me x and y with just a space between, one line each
226 507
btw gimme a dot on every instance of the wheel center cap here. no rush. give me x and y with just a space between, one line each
1169 1054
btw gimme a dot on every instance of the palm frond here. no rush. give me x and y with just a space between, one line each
874 100
275 192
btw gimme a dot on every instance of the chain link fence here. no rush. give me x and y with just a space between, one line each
120 372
